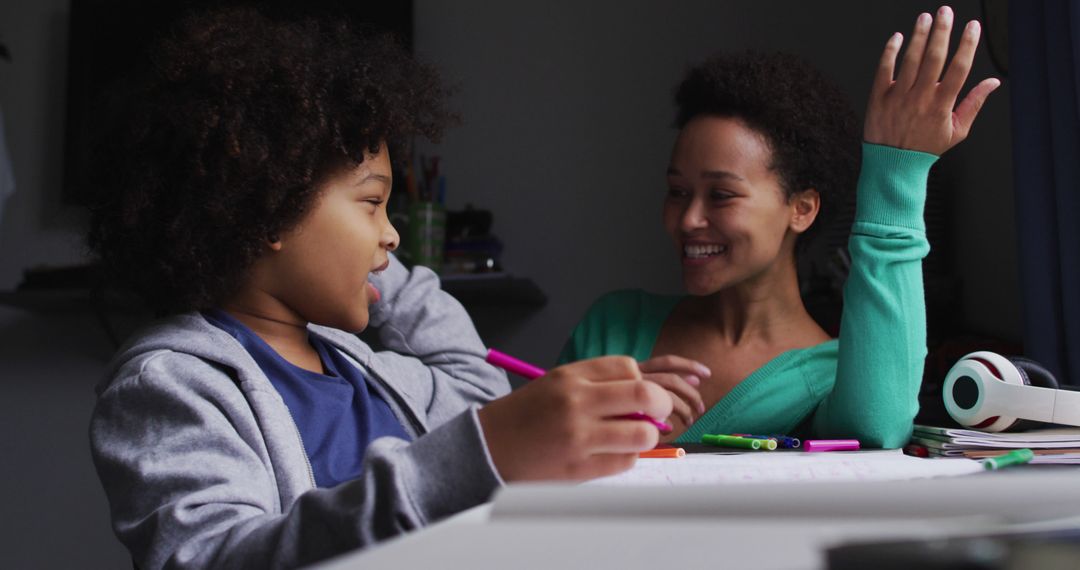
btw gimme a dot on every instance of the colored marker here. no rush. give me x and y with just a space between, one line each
788 442
916 450
1014 457
768 442
831 445
731 441
511 364
664 453
526 370
782 441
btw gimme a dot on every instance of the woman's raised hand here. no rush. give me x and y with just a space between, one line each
918 110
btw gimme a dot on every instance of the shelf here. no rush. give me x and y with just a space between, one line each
493 289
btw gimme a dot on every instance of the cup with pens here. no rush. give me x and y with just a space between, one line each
427 230
426 235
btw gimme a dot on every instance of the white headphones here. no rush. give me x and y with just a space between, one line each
987 391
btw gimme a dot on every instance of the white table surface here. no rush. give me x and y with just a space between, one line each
476 540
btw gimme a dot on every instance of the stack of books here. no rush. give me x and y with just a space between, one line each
1060 446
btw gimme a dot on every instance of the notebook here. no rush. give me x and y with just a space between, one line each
1051 446
1040 438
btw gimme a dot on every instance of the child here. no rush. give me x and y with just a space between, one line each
248 427
766 147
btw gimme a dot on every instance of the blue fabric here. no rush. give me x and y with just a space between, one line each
338 416
1044 67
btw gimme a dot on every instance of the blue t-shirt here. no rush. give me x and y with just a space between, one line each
338 416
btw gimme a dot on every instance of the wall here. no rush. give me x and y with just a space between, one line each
35 229
54 512
567 109
566 135
567 112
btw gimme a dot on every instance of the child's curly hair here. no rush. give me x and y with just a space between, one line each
227 137
809 124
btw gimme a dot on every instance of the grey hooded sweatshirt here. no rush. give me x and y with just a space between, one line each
204 467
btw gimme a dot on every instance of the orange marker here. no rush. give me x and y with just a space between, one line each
663 452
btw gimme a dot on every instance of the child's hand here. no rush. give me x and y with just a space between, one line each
564 426
680 377
916 110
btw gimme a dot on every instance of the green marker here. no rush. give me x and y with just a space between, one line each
1015 457
731 441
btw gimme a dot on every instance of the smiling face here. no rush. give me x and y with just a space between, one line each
320 268
726 210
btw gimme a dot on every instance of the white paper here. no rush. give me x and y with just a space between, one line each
788 466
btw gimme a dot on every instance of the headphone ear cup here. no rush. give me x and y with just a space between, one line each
963 389
1033 374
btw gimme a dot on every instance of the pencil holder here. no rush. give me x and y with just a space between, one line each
427 232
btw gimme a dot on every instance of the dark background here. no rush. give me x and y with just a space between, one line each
108 39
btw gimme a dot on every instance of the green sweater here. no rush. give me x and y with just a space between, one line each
863 385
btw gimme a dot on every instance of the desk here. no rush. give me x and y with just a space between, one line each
727 534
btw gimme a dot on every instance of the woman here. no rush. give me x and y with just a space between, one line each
765 149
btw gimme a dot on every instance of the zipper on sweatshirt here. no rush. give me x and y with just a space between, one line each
307 458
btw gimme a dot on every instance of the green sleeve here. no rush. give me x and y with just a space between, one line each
882 344
575 348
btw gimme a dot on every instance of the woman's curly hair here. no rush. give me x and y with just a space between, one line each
227 136
808 123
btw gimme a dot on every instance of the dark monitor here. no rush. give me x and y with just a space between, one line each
109 39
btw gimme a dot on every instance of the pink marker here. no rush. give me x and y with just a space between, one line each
526 370
830 445
511 364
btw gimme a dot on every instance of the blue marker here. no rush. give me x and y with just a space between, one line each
789 442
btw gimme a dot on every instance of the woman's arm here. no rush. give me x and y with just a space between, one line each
883 328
